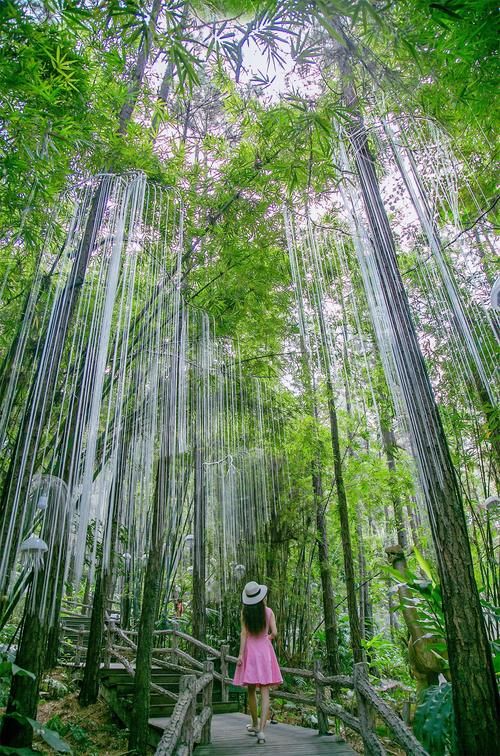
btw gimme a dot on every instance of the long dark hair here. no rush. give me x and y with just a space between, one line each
254 617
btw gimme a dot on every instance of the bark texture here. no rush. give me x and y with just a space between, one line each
471 666
199 552
331 631
138 738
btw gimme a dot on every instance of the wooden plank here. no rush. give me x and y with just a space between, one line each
229 738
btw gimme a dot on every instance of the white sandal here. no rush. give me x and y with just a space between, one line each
261 738
251 730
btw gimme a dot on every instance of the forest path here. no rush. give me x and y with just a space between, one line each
229 738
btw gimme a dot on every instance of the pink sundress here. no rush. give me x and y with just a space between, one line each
259 666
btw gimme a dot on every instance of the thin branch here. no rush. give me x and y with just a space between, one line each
472 225
270 354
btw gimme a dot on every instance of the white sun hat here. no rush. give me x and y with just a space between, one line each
253 593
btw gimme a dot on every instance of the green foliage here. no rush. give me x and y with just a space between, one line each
434 723
55 688
385 656
8 751
8 669
78 734
318 645
65 73
44 85
426 598
51 737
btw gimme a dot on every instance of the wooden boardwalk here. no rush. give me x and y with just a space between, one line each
229 738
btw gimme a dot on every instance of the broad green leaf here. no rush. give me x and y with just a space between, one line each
496 663
423 563
22 672
52 738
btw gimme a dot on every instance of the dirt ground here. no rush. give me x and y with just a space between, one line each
93 731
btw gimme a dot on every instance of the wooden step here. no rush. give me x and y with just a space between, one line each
75 619
161 710
170 682
115 678
156 674
165 709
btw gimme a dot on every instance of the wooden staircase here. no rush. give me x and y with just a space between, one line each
117 687
183 698
73 639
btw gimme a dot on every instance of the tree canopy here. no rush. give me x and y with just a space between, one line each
315 181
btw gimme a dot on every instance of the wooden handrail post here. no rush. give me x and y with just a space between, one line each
175 644
60 638
107 647
206 733
371 743
224 652
187 682
320 697
79 645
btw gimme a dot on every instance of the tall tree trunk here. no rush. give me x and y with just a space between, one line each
389 442
138 738
139 70
37 620
345 529
24 692
23 457
199 554
331 631
89 690
471 666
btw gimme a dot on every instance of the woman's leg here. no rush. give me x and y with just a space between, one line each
252 705
264 706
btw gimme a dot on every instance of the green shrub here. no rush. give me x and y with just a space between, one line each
434 723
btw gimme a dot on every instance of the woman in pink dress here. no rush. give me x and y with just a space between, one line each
257 663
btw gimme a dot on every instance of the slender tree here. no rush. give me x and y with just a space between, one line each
471 665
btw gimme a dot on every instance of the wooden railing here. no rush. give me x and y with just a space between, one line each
185 728
74 651
369 705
